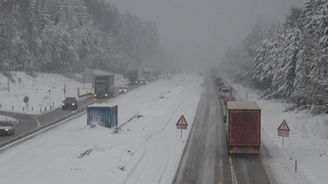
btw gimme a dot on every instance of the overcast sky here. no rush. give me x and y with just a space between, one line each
201 30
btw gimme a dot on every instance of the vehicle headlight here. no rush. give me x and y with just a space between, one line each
106 94
6 129
63 104
73 104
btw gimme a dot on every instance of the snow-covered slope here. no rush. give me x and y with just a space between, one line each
43 90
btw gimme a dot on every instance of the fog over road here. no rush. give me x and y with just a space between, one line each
198 32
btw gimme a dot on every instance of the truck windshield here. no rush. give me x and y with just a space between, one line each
100 85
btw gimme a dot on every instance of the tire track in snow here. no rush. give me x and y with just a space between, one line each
160 134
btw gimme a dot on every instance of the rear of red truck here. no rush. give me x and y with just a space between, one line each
243 128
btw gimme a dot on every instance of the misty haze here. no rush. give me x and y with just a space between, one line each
163 91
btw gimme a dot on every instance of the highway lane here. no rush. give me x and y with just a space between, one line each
25 122
28 124
205 160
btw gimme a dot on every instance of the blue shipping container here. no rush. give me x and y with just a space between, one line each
102 115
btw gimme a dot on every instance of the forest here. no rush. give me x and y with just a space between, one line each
286 60
72 35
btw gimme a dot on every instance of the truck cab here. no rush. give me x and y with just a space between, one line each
104 86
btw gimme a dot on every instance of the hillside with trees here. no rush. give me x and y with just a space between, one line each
71 35
287 60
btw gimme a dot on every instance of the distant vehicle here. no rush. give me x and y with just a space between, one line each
219 81
225 92
70 103
104 86
145 77
123 89
7 128
133 77
243 127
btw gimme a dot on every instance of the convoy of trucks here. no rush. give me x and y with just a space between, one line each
104 86
242 121
140 76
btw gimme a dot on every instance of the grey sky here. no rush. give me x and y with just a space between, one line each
201 30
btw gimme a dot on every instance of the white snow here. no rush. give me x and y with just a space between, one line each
146 150
6 118
308 142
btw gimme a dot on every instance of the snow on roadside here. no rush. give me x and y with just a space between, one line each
6 118
147 150
307 142
43 90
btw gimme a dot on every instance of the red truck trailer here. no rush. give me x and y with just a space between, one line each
243 129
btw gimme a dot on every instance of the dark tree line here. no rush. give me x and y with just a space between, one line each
287 60
71 35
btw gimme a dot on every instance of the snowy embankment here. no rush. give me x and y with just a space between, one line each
147 150
308 142
42 89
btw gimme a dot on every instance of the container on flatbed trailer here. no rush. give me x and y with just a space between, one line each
243 129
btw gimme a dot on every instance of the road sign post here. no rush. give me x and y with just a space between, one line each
182 124
283 131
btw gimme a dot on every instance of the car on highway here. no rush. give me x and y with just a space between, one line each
123 89
7 128
70 103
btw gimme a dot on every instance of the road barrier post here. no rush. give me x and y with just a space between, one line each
295 165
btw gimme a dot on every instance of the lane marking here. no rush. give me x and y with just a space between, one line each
221 172
233 174
37 122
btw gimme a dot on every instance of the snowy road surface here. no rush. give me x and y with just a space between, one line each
28 124
206 160
146 150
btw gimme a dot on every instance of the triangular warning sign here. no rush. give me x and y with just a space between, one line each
182 121
283 126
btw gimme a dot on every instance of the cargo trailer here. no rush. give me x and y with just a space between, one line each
243 127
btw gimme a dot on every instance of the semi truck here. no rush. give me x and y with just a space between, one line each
104 86
243 127
133 77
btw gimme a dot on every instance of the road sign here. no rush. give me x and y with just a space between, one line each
182 123
283 129
26 99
